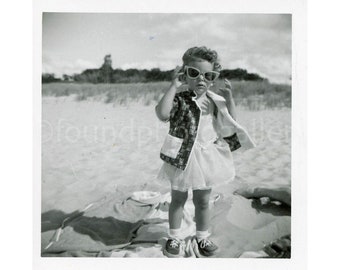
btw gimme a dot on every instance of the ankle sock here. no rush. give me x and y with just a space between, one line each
174 233
202 235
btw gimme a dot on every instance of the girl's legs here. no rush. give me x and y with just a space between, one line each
201 202
173 245
178 199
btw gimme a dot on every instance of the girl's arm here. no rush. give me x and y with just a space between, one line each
228 96
164 106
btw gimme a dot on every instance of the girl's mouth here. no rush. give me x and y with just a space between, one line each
201 85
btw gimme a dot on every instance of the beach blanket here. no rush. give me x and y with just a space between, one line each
138 226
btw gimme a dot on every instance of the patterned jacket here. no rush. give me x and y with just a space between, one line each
184 121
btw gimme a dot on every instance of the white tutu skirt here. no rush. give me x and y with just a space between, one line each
208 166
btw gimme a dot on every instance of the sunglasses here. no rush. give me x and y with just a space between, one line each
193 73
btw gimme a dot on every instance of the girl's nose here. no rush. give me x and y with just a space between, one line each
201 77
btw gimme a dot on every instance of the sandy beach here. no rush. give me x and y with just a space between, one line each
96 155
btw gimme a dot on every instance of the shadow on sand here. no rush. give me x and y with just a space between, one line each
108 230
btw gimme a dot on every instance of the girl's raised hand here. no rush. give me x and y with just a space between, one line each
175 77
226 91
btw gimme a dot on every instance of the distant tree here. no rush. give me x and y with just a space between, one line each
67 78
48 78
106 71
117 76
156 74
239 74
253 77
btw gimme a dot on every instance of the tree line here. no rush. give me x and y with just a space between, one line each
106 74
137 75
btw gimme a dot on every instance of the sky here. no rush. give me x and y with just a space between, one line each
73 42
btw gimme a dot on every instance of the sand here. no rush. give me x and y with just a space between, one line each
92 150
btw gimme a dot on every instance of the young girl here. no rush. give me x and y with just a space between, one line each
197 149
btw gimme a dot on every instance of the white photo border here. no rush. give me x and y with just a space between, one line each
299 120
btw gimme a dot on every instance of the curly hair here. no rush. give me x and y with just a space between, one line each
202 53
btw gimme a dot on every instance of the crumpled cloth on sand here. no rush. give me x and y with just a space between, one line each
138 227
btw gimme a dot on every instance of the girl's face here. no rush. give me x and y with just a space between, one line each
200 84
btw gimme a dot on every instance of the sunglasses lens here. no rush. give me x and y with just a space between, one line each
193 73
210 76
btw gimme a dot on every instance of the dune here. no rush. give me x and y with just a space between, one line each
95 157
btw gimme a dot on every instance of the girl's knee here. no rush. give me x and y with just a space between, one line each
178 197
201 198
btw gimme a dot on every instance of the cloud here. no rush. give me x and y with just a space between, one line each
60 67
257 42
162 65
276 69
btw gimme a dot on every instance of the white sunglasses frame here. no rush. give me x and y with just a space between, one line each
200 73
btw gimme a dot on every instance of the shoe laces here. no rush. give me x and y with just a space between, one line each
174 243
205 243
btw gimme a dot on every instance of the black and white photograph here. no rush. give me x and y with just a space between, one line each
166 135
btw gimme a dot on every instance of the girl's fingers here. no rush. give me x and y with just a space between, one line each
176 71
175 77
227 84
177 68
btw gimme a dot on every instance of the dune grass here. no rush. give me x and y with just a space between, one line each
256 95
248 94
